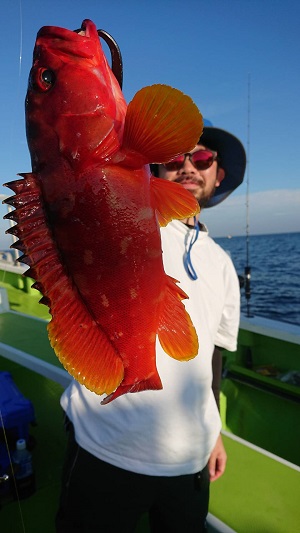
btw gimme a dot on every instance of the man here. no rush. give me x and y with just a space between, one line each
156 451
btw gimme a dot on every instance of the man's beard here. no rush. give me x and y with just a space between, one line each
204 199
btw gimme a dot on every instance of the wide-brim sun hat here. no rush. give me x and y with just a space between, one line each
231 156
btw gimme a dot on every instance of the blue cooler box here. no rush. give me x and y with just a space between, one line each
17 413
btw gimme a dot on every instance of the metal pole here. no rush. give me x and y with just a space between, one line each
247 267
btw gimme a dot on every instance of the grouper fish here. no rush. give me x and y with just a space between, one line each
88 214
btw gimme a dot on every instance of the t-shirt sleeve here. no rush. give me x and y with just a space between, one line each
228 329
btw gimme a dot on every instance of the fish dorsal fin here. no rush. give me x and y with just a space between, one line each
161 123
171 200
176 332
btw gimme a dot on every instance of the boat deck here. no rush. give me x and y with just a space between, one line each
24 339
257 491
36 513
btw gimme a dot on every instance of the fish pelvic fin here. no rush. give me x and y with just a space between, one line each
171 200
78 341
176 332
161 123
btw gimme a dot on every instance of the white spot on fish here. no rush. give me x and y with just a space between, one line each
152 337
145 213
116 335
75 155
104 300
133 293
124 244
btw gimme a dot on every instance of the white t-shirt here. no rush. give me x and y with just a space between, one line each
172 431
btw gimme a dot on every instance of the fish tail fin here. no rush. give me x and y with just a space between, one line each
176 331
151 383
171 200
161 123
78 341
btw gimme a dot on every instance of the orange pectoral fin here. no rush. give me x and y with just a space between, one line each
161 123
171 200
176 331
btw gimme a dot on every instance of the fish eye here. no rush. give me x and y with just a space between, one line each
41 79
47 77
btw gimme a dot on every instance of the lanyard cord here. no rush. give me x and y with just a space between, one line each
187 260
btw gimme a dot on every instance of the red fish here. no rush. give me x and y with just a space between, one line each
88 214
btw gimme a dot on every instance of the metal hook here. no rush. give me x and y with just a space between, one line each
116 57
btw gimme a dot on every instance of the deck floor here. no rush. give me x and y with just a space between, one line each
256 494
27 334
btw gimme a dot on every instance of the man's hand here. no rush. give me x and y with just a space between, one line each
217 460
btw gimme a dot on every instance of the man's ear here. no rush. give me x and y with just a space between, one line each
220 176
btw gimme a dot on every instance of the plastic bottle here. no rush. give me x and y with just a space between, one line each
23 470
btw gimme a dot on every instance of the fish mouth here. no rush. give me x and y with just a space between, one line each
82 43
87 29
54 32
77 43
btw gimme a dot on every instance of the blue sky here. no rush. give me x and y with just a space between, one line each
207 49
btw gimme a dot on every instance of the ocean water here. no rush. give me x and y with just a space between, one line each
275 271
275 274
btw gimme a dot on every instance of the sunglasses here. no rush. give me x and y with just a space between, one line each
202 159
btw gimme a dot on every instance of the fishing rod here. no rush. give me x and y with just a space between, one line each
247 270
9 477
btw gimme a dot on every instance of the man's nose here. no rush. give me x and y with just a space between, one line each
188 166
